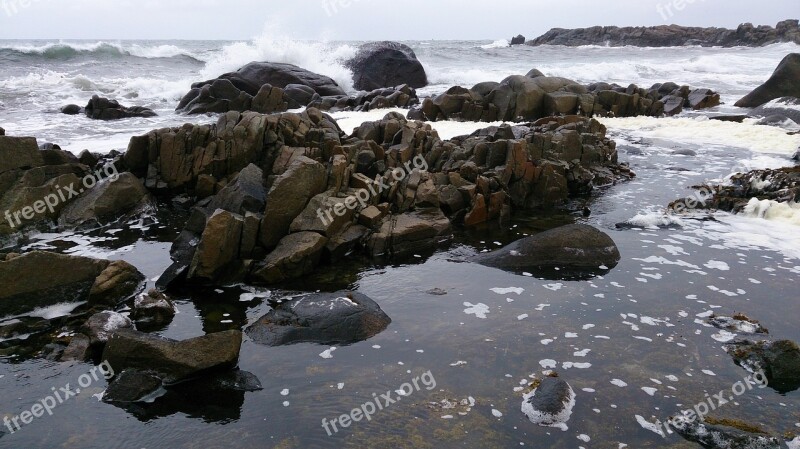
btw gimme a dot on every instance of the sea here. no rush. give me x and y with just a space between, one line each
633 344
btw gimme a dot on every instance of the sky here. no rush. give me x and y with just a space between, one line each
362 19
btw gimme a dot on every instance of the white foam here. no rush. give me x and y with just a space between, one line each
773 211
708 133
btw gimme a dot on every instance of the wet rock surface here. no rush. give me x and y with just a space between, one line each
780 361
782 83
325 318
550 404
386 64
722 436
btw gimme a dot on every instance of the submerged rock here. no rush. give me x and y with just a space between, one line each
738 323
325 318
780 361
782 83
578 248
386 64
172 360
550 404
724 436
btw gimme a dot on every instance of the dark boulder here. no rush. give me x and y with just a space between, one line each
784 82
72 109
578 248
386 64
550 404
104 109
518 40
326 318
780 361
133 385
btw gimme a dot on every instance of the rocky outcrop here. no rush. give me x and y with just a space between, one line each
550 404
173 361
386 64
104 109
324 318
779 360
578 248
259 86
518 40
534 96
40 279
745 35
753 192
784 82
291 191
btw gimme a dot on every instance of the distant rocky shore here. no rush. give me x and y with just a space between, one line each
746 35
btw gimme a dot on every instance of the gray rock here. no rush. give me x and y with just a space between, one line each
720 436
133 385
296 255
105 109
325 318
782 83
100 326
578 248
386 64
153 309
110 199
172 360
780 361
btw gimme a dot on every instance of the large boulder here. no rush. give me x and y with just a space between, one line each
518 40
40 279
784 82
100 108
326 318
257 85
110 199
570 248
386 64
173 361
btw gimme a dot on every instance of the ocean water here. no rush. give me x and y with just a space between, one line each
632 344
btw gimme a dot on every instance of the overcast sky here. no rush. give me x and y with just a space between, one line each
362 19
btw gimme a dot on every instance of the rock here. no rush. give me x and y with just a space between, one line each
723 436
782 83
105 109
153 309
550 404
238 91
746 35
19 153
289 196
116 283
72 109
580 248
386 64
296 255
519 40
79 349
534 73
218 250
133 385
245 193
2 131
325 214
703 98
171 360
730 118
41 279
409 233
110 199
788 108
739 324
780 361
325 318
100 326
